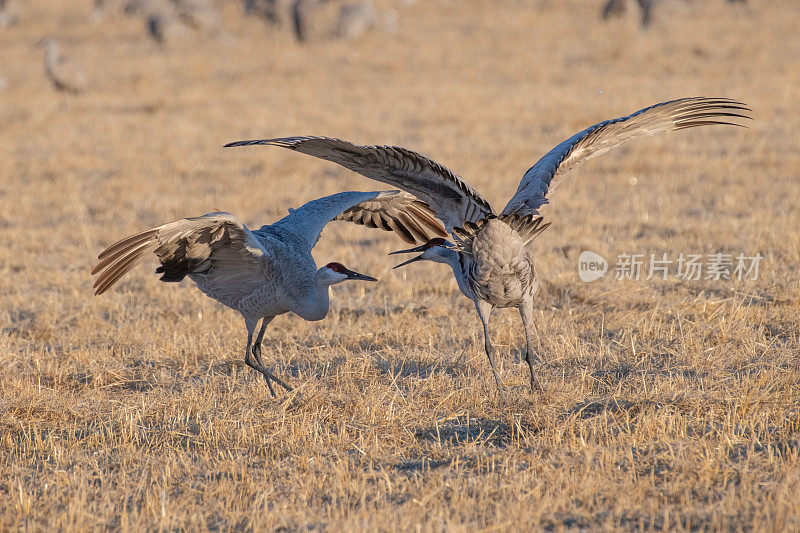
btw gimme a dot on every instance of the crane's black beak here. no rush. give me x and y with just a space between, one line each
404 263
410 250
352 274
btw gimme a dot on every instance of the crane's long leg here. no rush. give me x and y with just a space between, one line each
484 311
260 337
526 312
251 361
269 376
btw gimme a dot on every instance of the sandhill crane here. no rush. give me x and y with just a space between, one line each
491 261
199 14
326 19
162 20
163 26
9 12
270 271
274 12
303 14
355 19
64 73
616 8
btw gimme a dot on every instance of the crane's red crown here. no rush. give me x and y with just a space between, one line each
337 267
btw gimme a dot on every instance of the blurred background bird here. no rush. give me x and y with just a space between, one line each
64 73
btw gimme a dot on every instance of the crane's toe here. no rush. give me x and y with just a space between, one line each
253 360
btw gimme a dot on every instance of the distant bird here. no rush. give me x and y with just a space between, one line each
63 72
491 260
161 19
270 271
355 19
162 26
165 20
274 12
303 14
616 8
199 14
9 12
100 8
326 19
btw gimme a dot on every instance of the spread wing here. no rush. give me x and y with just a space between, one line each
600 138
396 211
217 245
452 199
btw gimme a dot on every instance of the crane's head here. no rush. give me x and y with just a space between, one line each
334 273
436 249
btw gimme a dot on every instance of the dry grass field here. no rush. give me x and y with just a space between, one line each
667 404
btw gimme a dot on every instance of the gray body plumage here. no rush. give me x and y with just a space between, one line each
500 267
492 260
282 281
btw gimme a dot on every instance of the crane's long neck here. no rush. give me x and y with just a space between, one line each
318 301
461 265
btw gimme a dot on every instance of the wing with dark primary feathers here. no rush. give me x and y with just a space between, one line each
397 211
452 199
600 138
217 244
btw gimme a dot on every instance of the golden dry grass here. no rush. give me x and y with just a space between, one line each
667 404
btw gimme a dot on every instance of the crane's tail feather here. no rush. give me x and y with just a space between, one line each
528 227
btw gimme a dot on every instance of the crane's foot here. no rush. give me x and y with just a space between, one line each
500 389
276 379
267 374
532 360
257 367
535 385
502 392
254 362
